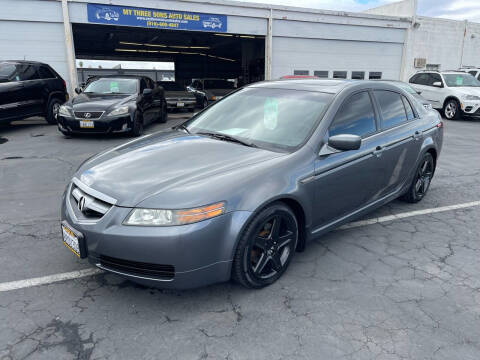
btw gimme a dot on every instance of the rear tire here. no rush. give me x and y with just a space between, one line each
52 110
452 110
137 128
421 181
266 247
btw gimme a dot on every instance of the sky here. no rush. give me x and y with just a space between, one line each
451 9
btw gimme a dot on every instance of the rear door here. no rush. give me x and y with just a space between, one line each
33 88
348 180
11 92
401 139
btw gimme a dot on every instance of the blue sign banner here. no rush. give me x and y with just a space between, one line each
155 18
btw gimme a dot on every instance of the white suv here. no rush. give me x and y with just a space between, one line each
457 93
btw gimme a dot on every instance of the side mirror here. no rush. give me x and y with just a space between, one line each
438 84
345 142
78 90
419 92
147 92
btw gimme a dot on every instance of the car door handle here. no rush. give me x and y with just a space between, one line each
378 151
417 135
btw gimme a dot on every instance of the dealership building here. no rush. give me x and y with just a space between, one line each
234 40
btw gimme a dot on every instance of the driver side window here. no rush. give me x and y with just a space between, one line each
356 117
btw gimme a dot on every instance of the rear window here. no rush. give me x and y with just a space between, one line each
45 73
391 107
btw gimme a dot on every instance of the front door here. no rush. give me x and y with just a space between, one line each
12 96
346 181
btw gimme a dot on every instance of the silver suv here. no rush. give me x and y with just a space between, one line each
456 93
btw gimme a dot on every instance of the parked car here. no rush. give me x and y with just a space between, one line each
474 71
456 93
115 103
238 188
210 90
177 96
415 93
29 88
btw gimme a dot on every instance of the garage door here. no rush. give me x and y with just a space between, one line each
316 56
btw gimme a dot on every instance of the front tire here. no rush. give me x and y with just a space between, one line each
451 110
421 181
52 110
137 127
266 247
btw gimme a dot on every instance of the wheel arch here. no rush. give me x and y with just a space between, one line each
450 97
55 95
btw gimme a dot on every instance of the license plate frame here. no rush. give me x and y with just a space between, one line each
87 124
73 240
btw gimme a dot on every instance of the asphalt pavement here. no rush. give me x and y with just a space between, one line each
407 288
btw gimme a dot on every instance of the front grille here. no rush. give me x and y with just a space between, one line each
166 272
87 206
93 114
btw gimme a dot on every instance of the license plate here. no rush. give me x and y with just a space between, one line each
70 240
180 104
86 124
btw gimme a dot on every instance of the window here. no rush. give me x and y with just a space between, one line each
45 72
358 75
420 79
473 73
112 86
356 117
301 72
391 107
459 80
433 78
321 74
339 74
408 108
8 72
375 75
27 72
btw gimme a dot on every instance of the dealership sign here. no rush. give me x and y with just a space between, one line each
155 18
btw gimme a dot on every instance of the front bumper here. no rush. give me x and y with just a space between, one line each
186 256
177 103
470 108
102 125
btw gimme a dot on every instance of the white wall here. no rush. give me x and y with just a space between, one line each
407 8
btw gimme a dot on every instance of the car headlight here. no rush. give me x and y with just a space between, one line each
158 217
64 111
122 110
471 97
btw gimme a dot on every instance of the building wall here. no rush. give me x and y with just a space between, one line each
406 8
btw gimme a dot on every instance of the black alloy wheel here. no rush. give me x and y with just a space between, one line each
137 127
266 247
52 110
421 182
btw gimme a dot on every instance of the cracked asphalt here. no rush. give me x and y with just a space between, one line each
405 289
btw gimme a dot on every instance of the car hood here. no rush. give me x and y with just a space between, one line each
468 90
179 94
97 102
156 163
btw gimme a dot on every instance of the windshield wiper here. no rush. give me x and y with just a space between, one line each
227 138
182 127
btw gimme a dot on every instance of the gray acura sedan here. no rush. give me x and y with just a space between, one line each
236 190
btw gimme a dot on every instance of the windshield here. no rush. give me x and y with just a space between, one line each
218 84
112 86
459 80
276 119
171 86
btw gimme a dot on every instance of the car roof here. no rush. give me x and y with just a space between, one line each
120 76
23 62
332 86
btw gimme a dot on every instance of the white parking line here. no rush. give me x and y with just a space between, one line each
404 215
45 280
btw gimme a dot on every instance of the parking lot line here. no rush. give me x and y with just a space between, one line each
49 279
45 280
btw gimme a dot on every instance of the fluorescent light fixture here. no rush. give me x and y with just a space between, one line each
223 34
227 59
247 36
178 46
156 45
129 43
189 53
126 50
199 47
168 52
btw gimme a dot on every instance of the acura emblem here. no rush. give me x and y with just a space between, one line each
81 203
88 115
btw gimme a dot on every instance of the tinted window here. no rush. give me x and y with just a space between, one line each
358 75
8 72
301 72
433 78
420 79
375 75
45 73
356 117
409 109
473 73
339 74
391 107
321 73
27 72
171 86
